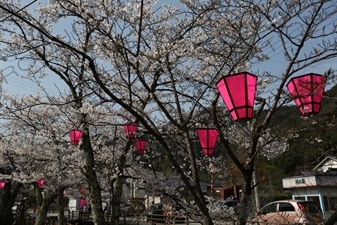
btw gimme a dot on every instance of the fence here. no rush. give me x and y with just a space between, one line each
76 217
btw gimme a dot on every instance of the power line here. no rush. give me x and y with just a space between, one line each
279 41
18 10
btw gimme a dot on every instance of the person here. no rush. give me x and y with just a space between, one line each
169 213
107 208
83 203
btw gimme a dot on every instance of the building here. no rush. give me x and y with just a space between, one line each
318 185
231 192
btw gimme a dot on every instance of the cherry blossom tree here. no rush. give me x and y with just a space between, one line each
158 67
11 189
40 148
37 152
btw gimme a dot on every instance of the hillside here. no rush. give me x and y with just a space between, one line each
316 135
316 140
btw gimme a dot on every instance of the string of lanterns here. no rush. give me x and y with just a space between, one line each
238 93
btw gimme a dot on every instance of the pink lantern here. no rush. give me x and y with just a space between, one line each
238 93
140 145
64 192
207 138
2 184
75 136
40 183
307 91
130 130
81 190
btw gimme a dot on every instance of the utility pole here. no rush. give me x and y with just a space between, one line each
256 192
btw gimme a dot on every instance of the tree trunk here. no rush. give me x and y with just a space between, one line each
94 187
42 210
8 199
116 200
41 215
6 215
62 201
245 208
332 219
43 204
117 190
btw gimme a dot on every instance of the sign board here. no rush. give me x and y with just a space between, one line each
300 181
72 204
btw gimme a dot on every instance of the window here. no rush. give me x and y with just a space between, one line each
231 204
330 203
270 208
316 200
286 207
308 206
299 198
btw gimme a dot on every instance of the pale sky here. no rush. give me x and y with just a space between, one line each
13 84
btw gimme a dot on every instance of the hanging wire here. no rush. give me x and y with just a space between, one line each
18 10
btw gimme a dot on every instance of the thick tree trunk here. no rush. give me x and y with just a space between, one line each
245 208
117 190
41 215
116 200
8 200
96 206
94 187
42 210
6 215
62 201
332 219
43 204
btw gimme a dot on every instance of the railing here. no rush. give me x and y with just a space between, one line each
168 219
155 219
152 219
131 219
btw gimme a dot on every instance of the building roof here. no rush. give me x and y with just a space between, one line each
325 164
176 181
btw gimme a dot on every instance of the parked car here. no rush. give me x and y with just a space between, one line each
164 213
155 213
225 208
289 212
127 209
227 203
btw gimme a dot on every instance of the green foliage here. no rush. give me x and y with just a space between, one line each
316 140
266 198
316 137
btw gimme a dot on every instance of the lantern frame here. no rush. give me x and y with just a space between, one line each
75 136
207 139
238 93
130 130
140 146
307 92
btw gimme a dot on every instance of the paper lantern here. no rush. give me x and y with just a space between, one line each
307 91
207 138
75 136
140 146
130 130
238 93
